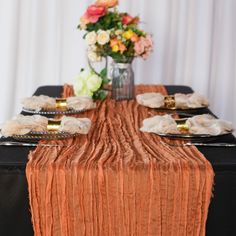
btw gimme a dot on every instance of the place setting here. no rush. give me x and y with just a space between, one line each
28 130
195 130
45 105
183 105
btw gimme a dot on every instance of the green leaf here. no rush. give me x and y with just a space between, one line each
109 21
105 81
100 95
103 73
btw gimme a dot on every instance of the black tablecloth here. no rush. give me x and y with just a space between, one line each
14 202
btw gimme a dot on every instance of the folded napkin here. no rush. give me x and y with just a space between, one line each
207 124
160 125
192 100
38 102
74 125
200 124
21 125
80 103
152 100
157 100
48 103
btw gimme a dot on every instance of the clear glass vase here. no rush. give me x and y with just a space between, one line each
122 75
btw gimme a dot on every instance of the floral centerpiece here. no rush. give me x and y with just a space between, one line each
110 33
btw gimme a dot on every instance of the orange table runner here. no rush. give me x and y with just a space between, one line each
118 181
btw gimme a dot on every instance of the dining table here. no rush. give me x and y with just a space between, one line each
15 215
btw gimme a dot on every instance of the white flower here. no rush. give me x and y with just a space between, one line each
92 48
84 75
119 32
85 92
91 38
93 56
94 82
87 83
103 37
79 85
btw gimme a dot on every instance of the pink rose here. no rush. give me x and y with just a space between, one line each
143 47
126 19
146 55
94 13
139 48
148 41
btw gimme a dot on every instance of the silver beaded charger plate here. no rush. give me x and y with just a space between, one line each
36 136
53 112
165 108
189 136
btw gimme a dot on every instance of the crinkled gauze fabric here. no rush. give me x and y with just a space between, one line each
117 180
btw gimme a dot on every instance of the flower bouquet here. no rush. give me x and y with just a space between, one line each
110 33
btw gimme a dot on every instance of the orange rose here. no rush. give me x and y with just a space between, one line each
107 3
134 38
122 48
114 42
117 45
